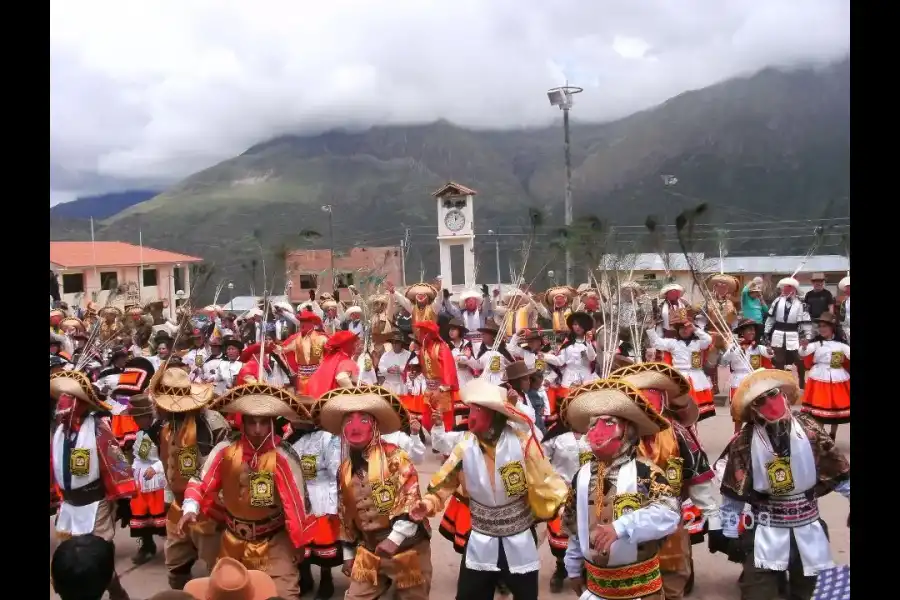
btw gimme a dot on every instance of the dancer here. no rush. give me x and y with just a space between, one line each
779 464
745 356
786 323
439 367
621 507
577 353
827 395
148 506
338 369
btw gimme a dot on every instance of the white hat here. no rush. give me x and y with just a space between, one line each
789 281
670 287
470 295
253 312
844 283
353 310
285 306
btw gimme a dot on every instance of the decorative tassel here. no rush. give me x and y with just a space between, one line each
409 570
365 567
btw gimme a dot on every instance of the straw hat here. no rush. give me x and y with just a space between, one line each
614 398
670 287
758 383
71 322
173 391
77 384
844 283
378 299
262 400
827 318
231 580
560 290
789 281
722 278
111 310
470 295
681 316
328 304
353 310
421 288
387 409
482 393
140 405
662 377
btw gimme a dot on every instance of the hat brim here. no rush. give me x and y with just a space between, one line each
261 585
654 376
614 398
262 400
721 278
582 318
76 384
387 409
479 392
758 383
177 399
425 289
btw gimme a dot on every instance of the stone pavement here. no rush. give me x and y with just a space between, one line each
716 578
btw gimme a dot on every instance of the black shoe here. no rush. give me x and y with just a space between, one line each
146 551
558 580
307 584
326 585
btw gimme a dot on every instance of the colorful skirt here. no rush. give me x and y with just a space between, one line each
418 402
827 402
456 523
693 520
124 429
148 514
325 550
559 541
705 402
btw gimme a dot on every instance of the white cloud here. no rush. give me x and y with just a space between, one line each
153 91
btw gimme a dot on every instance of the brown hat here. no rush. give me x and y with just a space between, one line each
230 580
139 405
582 318
721 278
826 317
77 384
742 324
490 327
518 370
173 391
459 325
531 336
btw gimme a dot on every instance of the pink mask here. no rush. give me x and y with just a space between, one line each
605 438
774 407
421 298
480 419
359 429
471 304
656 398
559 301
591 304
673 296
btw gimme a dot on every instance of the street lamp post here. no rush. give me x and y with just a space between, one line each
327 208
231 296
496 255
563 98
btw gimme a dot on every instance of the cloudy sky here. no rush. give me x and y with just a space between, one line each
145 93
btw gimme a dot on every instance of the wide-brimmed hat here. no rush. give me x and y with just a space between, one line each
329 303
135 378
743 324
722 278
470 295
489 327
173 391
560 290
398 337
340 339
353 310
77 384
582 318
480 392
518 369
140 405
632 285
234 342
378 299
844 283
670 287
788 281
262 400
665 378
110 310
458 324
421 288
827 317
681 316
754 286
758 383
613 398
374 400
231 580
71 322
530 336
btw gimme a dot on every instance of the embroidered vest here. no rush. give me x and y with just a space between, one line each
249 494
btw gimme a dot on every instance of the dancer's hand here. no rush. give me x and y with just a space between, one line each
186 520
414 426
419 511
386 548
347 567
603 537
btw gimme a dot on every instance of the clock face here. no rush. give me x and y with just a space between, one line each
455 220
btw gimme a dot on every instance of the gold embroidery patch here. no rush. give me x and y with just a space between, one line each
383 496
143 450
262 489
513 476
367 364
837 360
626 503
308 466
755 361
781 480
80 462
189 461
198 360
696 363
585 457
540 365
495 364
675 473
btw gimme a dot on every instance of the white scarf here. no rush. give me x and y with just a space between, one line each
77 520
622 551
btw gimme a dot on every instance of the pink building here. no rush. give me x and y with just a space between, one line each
88 270
311 269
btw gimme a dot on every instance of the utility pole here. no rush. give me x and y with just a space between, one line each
562 97
497 256
404 248
327 208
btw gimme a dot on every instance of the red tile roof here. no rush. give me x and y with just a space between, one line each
74 255
453 189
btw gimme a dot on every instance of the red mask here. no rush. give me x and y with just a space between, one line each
774 407
359 429
673 296
591 304
306 327
471 304
65 403
605 438
656 398
422 299
480 419
55 321
559 301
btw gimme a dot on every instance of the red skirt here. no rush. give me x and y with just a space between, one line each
694 522
559 541
827 402
418 401
705 402
456 523
148 514
553 397
325 549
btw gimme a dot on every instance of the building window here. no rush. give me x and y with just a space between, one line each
344 280
178 278
73 283
309 282
649 276
109 280
149 278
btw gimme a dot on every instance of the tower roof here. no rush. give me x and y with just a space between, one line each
451 188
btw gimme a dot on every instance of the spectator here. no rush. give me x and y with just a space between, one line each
818 300
82 567
752 305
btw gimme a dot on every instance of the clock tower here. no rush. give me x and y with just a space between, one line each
456 228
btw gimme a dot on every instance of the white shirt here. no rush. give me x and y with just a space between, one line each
576 363
492 365
687 358
463 369
367 373
391 365
225 374
320 452
828 361
744 361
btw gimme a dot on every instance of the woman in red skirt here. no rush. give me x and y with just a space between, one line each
827 394
148 507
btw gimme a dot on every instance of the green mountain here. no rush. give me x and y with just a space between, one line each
771 147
